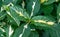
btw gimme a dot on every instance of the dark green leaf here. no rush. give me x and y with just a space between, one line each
9 31
17 1
54 31
58 13
2 15
7 1
46 33
34 34
0 4
22 31
1 32
11 1
14 16
47 9
36 7
21 12
49 2
42 21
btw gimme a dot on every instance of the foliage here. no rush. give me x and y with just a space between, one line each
29 18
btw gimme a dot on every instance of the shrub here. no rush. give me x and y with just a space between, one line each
29 18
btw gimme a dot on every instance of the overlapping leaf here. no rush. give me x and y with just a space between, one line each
42 21
17 14
57 30
54 31
8 31
34 34
14 16
11 1
58 13
33 6
22 31
7 1
47 2
1 32
46 33
20 11
0 4
47 9
2 15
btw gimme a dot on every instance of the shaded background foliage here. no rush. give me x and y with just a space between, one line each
29 18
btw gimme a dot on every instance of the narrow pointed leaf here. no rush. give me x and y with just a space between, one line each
43 21
33 6
58 13
34 34
22 31
9 31
14 16
2 15
21 12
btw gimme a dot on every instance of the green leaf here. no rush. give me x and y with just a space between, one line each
34 34
17 14
46 33
22 31
35 4
47 9
0 4
56 28
54 31
2 15
50 33
14 16
1 32
21 12
7 1
42 21
9 31
17 1
58 13
49 2
11 1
